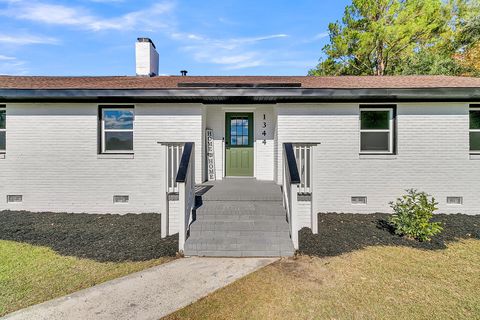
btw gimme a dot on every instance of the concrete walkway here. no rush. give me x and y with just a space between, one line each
149 294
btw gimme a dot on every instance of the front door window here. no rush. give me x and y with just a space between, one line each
239 131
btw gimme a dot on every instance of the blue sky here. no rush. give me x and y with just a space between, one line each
96 37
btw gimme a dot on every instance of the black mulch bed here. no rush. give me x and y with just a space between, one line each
101 237
339 233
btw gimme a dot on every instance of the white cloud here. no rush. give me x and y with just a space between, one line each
25 39
185 36
80 17
235 59
321 35
262 38
2 57
108 1
316 37
11 65
230 59
247 64
227 21
232 53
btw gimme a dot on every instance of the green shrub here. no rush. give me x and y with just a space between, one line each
412 214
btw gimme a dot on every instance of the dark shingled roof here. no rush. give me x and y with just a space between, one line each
172 82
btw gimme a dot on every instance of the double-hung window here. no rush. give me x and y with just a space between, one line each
475 129
3 129
117 129
377 129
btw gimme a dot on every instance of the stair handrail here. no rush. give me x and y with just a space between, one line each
291 180
186 191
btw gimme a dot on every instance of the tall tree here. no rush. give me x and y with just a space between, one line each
377 37
467 38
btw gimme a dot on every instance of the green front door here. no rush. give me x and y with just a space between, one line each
239 144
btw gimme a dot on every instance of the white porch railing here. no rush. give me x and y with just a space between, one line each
174 154
185 180
303 155
291 181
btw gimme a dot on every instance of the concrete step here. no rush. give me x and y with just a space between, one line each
240 253
239 217
237 211
210 246
189 250
274 212
235 207
240 189
246 234
270 225
229 247
266 240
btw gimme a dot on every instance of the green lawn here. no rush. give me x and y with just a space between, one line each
33 274
378 282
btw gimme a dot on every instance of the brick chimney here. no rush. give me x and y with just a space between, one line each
146 58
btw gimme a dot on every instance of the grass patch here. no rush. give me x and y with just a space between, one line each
377 282
33 274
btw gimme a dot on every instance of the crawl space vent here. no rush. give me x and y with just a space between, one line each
359 200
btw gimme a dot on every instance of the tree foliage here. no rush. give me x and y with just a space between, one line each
388 37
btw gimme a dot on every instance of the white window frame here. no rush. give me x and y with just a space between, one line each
472 130
389 130
102 119
2 107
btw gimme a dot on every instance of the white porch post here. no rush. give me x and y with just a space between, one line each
294 214
313 179
163 192
182 223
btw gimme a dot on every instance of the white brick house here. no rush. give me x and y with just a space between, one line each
102 144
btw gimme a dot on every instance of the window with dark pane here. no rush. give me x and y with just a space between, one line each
475 130
376 130
475 119
375 120
374 141
3 119
475 141
239 131
3 129
118 140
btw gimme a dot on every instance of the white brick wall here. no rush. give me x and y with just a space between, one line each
173 216
304 214
52 155
52 158
433 156
264 144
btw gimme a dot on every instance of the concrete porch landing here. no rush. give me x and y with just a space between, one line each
239 217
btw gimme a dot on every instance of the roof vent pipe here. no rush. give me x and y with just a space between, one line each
184 73
146 58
